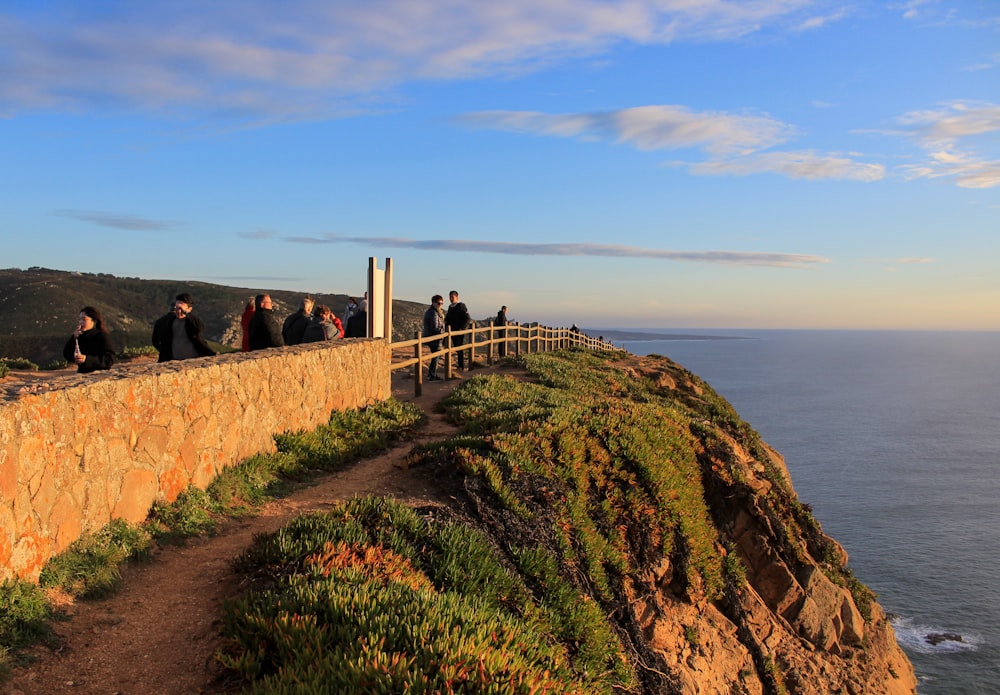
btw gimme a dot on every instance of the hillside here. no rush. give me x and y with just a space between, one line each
39 309
582 523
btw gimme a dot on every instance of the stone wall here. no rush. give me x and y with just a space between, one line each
90 448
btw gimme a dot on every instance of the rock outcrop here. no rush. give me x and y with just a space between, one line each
667 509
796 618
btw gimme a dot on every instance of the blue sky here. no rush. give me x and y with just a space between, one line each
670 163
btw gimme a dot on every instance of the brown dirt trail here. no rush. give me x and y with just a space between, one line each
159 633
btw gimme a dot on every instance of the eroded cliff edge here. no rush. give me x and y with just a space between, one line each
638 531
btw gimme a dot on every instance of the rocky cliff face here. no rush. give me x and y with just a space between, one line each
756 600
796 618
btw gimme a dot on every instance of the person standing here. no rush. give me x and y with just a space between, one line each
264 329
245 322
90 348
350 309
458 319
434 325
500 322
295 324
322 326
177 335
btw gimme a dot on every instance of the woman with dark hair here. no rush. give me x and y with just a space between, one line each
90 346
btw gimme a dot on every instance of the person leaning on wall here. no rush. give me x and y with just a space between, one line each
245 323
264 329
295 325
178 334
90 348
322 326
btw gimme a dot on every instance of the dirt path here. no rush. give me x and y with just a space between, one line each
159 633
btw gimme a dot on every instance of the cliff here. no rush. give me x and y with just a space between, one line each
616 527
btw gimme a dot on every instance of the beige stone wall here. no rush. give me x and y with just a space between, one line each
96 447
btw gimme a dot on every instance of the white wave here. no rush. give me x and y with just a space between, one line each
929 639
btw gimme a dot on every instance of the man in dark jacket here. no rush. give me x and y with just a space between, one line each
458 319
264 329
295 325
177 335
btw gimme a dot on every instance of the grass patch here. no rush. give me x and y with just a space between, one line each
372 598
90 567
24 619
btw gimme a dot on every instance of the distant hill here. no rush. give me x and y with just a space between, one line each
39 309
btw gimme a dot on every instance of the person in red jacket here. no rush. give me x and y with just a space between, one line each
245 322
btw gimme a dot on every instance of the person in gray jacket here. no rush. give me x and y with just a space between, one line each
434 325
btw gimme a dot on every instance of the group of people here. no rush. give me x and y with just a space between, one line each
179 334
437 321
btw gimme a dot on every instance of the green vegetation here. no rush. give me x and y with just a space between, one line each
4 369
91 566
20 363
372 598
132 351
24 619
615 463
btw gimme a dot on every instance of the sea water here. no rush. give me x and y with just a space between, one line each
893 438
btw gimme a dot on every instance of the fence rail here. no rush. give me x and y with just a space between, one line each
490 342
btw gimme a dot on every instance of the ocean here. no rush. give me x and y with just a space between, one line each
893 438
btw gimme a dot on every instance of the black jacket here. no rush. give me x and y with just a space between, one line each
264 330
458 317
295 327
163 336
96 346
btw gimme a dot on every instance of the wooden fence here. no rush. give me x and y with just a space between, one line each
489 343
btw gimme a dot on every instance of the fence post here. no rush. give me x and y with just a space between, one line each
418 368
491 346
472 345
447 357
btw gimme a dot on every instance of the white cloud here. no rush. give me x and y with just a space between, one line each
950 136
732 141
749 258
303 58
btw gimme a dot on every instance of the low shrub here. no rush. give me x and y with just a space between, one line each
132 351
371 598
90 567
20 363
24 618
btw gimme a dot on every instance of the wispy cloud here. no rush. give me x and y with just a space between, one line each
655 127
905 260
116 220
731 140
794 165
304 58
258 234
951 136
781 260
